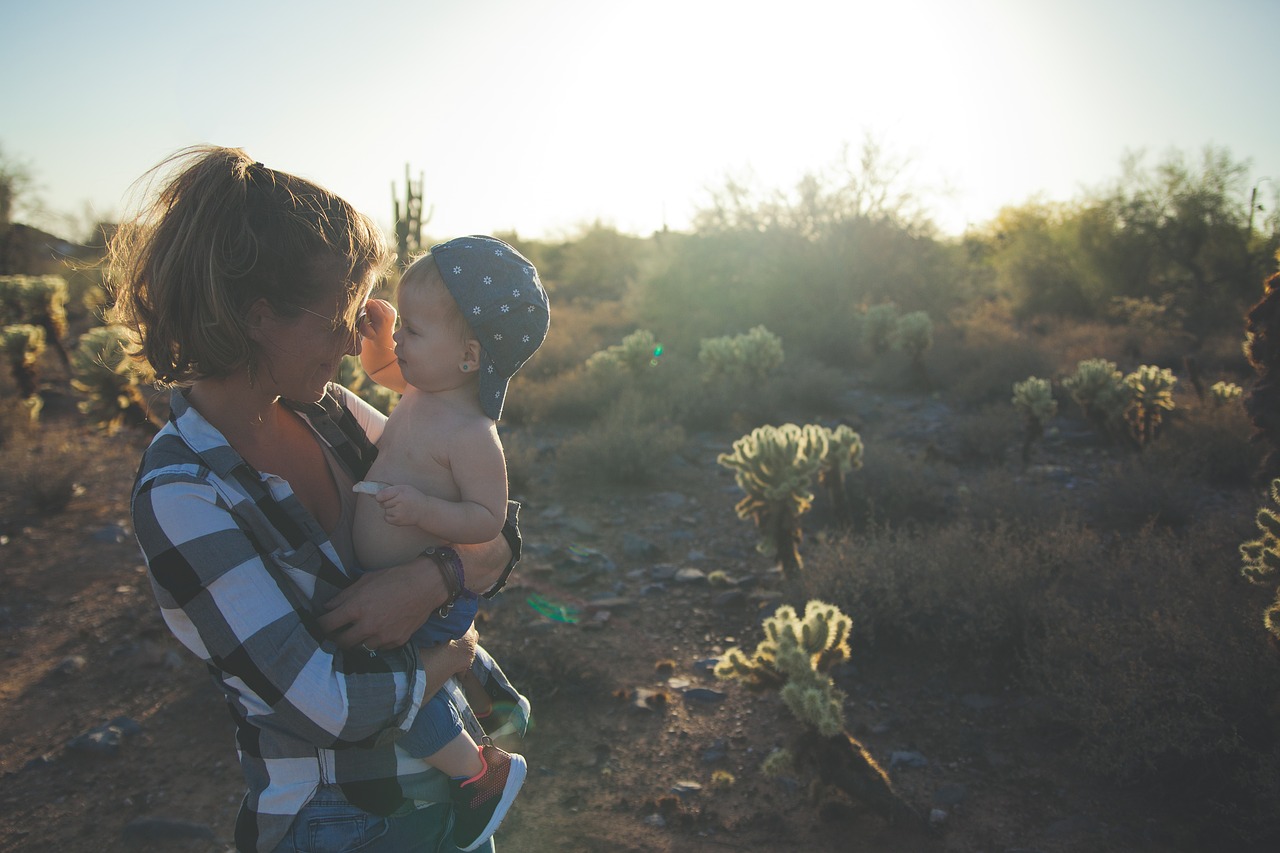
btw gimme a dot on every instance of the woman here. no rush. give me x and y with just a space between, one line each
243 288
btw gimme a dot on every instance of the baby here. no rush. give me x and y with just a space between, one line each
471 313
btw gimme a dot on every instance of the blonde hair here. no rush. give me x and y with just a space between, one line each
424 275
223 232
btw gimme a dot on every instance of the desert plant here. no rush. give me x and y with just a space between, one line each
879 325
39 300
751 357
1262 555
638 352
22 344
1150 399
1033 398
113 388
775 467
623 448
1099 390
843 455
913 334
795 658
1224 392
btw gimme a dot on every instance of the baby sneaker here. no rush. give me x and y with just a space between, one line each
481 802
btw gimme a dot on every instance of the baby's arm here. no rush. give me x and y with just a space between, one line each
480 472
378 347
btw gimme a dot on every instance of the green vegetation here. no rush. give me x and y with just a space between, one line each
1105 582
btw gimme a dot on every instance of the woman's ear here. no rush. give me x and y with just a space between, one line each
470 362
258 318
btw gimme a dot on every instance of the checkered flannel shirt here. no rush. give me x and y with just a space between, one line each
241 572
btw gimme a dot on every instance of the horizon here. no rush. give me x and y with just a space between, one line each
541 119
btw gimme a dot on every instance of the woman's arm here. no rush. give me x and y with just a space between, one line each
239 610
383 608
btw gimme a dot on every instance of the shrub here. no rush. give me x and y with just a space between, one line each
622 449
1209 444
740 359
879 325
638 352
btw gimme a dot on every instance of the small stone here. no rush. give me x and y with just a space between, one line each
689 575
951 795
904 758
70 665
685 788
704 696
655 820
937 817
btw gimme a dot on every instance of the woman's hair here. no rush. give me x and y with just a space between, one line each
222 232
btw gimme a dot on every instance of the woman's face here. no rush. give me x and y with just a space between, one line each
301 354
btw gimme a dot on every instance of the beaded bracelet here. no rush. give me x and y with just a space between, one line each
455 578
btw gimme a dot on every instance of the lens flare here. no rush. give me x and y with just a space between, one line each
554 611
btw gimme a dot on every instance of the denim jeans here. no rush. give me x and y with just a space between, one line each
329 824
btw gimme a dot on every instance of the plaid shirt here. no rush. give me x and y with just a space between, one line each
241 572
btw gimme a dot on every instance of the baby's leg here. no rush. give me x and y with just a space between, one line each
459 758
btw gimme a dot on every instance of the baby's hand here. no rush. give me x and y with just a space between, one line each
380 324
403 506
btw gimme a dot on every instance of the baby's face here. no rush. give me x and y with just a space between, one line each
431 347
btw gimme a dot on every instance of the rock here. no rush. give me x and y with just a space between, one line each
638 548
706 666
937 817
655 820
112 534
950 795
691 576
904 758
105 739
165 829
70 665
685 788
704 696
732 599
717 752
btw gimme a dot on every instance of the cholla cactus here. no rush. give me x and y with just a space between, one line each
1033 398
775 467
879 325
638 352
1261 556
742 358
38 300
1224 392
913 335
843 455
795 658
113 388
1150 397
1098 389
22 344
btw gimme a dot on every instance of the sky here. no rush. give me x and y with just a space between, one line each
543 116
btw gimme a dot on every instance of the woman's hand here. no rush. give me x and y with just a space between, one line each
383 608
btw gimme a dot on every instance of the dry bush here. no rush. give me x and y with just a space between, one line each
1134 491
895 488
39 471
987 435
626 447
578 329
978 362
1208 443
953 591
1155 659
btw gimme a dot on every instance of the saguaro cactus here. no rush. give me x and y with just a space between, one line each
795 658
775 467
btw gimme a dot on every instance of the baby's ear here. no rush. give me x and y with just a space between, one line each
470 356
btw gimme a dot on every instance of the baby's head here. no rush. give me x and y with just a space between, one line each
499 298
